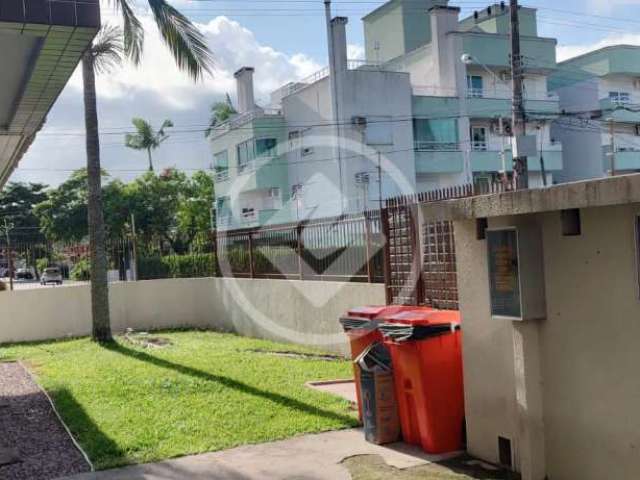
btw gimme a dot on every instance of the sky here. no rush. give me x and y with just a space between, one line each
284 40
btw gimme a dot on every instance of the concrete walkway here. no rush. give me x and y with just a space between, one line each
309 457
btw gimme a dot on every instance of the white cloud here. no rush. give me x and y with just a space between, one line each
568 51
233 46
157 90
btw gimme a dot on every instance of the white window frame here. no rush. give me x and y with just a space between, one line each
479 146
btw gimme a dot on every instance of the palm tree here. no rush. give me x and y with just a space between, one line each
190 52
185 42
220 112
146 137
104 54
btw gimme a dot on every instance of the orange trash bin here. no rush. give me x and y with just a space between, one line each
361 326
426 352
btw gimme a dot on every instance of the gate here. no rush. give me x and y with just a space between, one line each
420 257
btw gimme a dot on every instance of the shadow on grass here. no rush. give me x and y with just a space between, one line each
230 383
101 449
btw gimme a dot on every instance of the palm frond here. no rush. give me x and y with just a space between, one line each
133 30
133 141
187 44
107 48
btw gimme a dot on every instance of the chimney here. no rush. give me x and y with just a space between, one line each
244 87
339 39
447 48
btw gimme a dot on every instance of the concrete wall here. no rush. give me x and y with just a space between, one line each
586 349
303 312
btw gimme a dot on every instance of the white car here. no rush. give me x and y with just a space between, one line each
51 275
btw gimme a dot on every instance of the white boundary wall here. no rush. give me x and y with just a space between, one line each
303 312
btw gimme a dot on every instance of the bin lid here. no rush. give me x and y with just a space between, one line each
425 316
376 311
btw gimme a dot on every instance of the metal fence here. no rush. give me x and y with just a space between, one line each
344 248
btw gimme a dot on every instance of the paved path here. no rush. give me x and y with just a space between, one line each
309 457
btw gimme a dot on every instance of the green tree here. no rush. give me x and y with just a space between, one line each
171 207
17 202
146 138
220 113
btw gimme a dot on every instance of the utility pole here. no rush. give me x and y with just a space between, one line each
543 170
7 231
612 143
134 249
520 166
380 182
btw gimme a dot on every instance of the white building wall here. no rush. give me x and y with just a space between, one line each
581 143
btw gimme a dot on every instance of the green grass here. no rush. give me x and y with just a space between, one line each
207 391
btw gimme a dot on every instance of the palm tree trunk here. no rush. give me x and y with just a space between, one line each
150 161
98 257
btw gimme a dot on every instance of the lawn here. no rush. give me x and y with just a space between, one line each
205 391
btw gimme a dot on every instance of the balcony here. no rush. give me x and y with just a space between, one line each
244 118
627 159
491 160
621 111
493 49
481 103
432 157
221 176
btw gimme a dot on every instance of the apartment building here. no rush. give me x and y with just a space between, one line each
429 107
600 94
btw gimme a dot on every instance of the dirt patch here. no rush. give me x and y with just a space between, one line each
299 355
373 467
145 340
33 443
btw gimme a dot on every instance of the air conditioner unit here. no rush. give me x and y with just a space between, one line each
274 193
636 84
362 178
359 121
505 76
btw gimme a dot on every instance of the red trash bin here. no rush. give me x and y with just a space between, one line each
426 352
361 326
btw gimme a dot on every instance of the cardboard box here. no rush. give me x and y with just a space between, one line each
379 409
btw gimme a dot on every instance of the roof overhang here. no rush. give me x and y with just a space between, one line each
41 42
619 190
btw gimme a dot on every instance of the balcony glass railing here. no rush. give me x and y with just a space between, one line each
428 146
222 175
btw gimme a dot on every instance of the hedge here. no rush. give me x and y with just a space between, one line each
177 266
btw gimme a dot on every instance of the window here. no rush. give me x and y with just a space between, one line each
479 138
246 154
221 165
266 147
296 191
438 135
248 214
223 208
475 86
620 98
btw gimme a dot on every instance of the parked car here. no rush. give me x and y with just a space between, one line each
25 274
51 275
